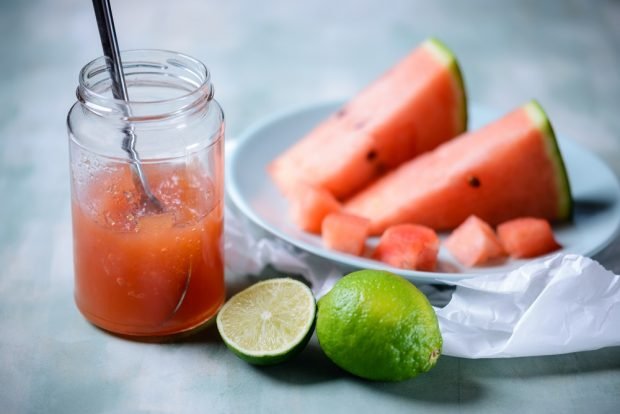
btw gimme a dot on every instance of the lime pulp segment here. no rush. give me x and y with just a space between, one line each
268 321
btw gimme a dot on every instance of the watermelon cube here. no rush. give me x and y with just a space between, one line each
345 233
474 243
527 237
309 205
408 246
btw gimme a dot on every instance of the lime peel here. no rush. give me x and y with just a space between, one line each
378 326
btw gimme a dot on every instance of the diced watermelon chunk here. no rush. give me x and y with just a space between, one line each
309 205
345 233
527 237
408 246
474 243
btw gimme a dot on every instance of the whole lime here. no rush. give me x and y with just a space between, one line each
379 326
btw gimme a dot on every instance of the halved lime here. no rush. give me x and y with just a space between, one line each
268 322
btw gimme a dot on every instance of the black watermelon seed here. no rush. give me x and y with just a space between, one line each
473 181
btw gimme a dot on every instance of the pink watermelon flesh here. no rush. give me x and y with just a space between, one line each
408 246
527 237
309 205
412 108
345 233
510 168
474 243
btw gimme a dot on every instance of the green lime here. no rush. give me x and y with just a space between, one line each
268 322
378 326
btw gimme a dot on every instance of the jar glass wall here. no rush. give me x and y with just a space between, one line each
140 271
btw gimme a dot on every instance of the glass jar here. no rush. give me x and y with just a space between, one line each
140 270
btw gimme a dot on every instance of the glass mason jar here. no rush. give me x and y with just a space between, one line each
141 270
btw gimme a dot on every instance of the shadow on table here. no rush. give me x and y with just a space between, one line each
442 385
207 335
311 366
607 359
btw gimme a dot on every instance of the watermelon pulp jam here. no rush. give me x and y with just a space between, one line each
141 273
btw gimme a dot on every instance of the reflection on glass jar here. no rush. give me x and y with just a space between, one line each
140 271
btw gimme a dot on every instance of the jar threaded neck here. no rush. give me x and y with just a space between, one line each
161 85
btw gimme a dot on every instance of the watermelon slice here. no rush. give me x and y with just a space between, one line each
508 169
474 243
527 237
309 205
345 233
413 108
408 246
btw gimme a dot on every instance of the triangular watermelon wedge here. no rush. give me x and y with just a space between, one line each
414 107
510 168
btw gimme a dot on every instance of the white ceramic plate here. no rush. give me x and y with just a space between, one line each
594 186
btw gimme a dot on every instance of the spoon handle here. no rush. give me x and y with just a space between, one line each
109 43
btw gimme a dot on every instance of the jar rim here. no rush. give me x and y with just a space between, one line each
194 75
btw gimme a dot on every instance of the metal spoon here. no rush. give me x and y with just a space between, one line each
107 33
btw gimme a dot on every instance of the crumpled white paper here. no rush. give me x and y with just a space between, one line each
249 250
563 304
567 303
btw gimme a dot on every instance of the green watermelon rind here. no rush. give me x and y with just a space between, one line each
449 60
539 117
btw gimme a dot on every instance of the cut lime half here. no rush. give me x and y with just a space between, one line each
269 321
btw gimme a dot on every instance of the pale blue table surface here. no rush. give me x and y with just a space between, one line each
268 56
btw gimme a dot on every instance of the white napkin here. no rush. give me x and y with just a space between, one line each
567 303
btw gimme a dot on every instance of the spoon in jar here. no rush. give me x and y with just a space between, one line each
109 43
